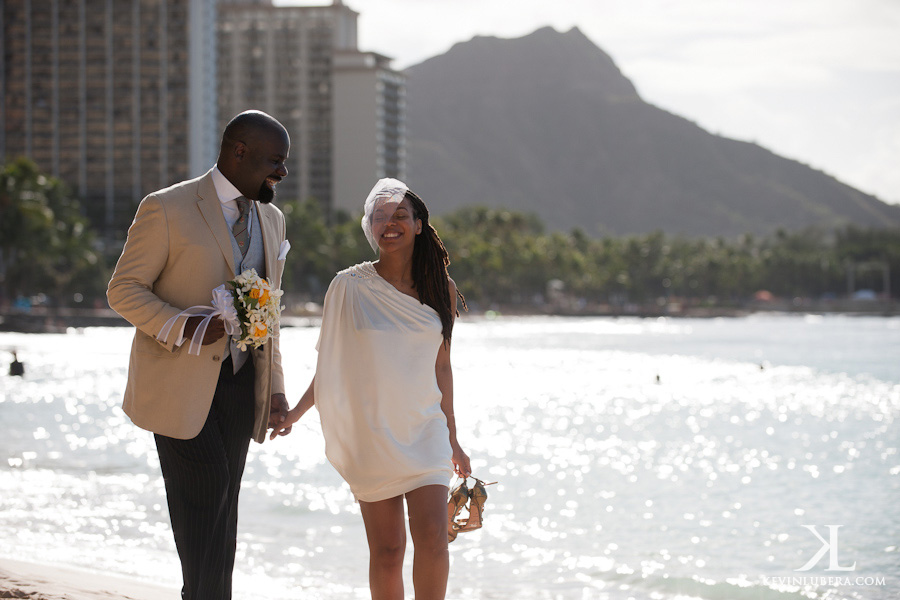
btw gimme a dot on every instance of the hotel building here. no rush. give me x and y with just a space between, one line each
344 109
119 98
113 97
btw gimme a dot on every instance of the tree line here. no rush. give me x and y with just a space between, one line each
506 258
499 258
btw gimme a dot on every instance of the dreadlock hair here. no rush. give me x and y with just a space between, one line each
429 269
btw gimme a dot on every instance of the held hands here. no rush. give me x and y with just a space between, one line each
284 426
278 413
281 422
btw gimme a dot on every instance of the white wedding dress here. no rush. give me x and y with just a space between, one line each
376 388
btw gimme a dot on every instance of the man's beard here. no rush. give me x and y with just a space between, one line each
266 194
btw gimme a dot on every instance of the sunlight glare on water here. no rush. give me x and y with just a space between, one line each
636 458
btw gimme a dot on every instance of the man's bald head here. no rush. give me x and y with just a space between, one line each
249 126
254 148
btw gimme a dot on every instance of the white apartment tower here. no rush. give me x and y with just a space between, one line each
344 109
369 130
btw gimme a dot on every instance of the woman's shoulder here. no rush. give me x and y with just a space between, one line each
364 270
454 293
353 276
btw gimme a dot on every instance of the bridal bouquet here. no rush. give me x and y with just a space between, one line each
258 308
250 311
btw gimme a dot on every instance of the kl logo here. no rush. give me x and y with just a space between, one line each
831 547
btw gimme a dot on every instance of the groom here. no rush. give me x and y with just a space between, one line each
185 241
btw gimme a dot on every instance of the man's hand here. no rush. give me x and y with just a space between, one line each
214 331
278 411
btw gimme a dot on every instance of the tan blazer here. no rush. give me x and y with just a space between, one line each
178 250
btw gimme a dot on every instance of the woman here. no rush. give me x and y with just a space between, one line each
384 390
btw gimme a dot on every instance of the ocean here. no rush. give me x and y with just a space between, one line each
667 459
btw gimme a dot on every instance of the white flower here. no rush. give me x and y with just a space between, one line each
260 323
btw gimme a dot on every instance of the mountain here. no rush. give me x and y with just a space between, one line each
548 124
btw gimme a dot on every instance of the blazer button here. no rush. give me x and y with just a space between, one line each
216 358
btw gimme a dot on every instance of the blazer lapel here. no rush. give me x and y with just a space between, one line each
211 208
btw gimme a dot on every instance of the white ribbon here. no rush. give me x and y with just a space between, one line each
222 307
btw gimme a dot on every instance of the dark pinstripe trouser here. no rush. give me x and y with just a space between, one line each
203 478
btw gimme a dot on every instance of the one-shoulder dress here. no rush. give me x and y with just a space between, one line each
376 389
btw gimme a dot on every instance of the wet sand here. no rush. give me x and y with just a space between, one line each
49 582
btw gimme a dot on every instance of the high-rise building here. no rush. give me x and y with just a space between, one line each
122 97
116 98
369 126
343 108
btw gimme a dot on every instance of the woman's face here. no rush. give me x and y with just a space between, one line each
394 226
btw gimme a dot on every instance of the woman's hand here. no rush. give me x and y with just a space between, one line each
306 402
284 427
278 410
460 460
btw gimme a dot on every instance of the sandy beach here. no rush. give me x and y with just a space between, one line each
48 582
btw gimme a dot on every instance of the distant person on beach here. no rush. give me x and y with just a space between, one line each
384 390
16 369
185 241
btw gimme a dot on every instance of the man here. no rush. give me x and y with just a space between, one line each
185 241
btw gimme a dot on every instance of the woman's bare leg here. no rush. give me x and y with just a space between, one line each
386 533
428 527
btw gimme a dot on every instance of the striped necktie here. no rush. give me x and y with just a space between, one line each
239 229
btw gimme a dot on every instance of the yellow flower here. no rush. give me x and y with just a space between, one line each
260 330
260 294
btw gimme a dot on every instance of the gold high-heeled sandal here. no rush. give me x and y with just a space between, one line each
477 498
458 498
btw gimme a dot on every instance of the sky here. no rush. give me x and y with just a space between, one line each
817 81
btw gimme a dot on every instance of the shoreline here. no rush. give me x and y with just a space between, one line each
20 579
60 320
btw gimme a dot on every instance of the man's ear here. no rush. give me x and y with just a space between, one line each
239 150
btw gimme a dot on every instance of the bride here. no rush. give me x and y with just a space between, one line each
384 390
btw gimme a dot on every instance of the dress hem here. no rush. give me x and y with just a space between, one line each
406 486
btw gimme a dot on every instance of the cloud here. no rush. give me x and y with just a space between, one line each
810 79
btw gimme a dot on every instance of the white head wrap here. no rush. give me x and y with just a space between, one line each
385 197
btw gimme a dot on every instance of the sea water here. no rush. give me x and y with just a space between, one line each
741 458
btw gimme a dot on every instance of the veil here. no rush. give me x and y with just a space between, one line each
380 205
